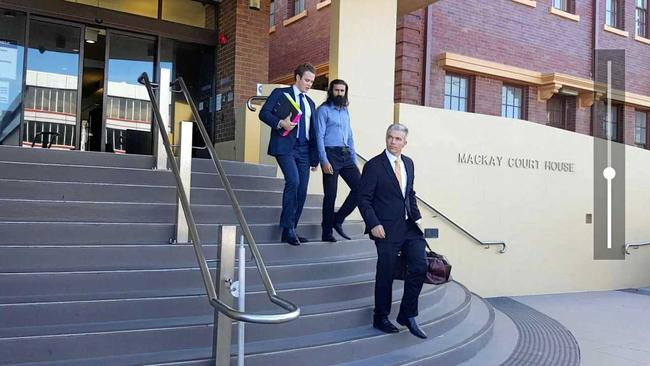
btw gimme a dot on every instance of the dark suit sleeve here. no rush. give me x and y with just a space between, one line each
367 187
415 211
266 114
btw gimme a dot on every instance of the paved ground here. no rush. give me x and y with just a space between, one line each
612 327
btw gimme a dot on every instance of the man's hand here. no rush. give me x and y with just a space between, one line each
327 168
378 232
286 124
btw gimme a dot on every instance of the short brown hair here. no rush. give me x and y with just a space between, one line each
302 68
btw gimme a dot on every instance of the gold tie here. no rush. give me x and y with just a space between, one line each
398 173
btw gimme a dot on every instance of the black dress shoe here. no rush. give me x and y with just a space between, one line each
412 326
329 238
290 237
302 240
385 325
339 229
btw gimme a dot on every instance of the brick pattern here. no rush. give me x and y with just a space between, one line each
487 95
242 62
409 58
306 40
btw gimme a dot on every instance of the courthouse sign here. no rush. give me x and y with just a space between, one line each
516 162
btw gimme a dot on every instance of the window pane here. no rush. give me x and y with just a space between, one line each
456 92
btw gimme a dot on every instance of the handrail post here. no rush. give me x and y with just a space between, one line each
185 165
223 324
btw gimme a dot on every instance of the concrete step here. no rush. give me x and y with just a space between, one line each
57 258
135 176
71 233
135 193
454 346
501 344
102 347
86 285
344 345
67 211
59 318
88 158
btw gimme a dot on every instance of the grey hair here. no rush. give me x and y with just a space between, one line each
397 127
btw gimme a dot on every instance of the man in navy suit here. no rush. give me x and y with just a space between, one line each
388 205
296 151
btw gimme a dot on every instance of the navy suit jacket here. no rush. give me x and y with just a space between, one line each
282 145
380 198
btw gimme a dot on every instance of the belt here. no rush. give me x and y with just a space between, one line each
344 149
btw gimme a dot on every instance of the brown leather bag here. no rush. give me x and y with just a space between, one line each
438 268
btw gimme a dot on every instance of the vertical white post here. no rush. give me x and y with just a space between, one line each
241 339
185 166
223 324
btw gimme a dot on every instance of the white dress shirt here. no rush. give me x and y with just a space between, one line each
392 158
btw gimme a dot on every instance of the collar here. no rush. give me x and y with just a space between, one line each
392 158
297 92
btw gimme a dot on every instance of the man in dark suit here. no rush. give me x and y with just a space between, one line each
296 151
389 208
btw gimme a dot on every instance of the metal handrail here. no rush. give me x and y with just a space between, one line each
635 246
486 244
293 310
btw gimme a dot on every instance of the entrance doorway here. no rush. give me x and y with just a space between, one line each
81 90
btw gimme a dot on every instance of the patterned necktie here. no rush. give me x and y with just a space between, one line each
398 173
302 130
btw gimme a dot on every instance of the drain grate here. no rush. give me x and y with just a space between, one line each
543 341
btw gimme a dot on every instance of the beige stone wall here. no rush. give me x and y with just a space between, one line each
540 214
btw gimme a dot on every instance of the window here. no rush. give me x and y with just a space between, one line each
456 93
557 111
272 14
641 130
642 18
611 130
298 6
511 102
565 5
614 13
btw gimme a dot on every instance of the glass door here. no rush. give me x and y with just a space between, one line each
12 51
52 84
127 109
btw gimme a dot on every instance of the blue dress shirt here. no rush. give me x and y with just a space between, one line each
333 129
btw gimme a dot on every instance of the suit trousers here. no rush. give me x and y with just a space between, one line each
343 165
412 245
295 168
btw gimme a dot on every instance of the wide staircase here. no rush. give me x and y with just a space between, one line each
88 275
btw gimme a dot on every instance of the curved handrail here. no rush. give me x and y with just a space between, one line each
293 310
486 244
635 246
249 102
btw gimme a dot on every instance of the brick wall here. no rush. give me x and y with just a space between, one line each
242 62
306 40
487 96
409 57
637 54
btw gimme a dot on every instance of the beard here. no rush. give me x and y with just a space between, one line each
339 101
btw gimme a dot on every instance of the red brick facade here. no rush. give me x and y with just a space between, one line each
304 40
242 62
501 31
